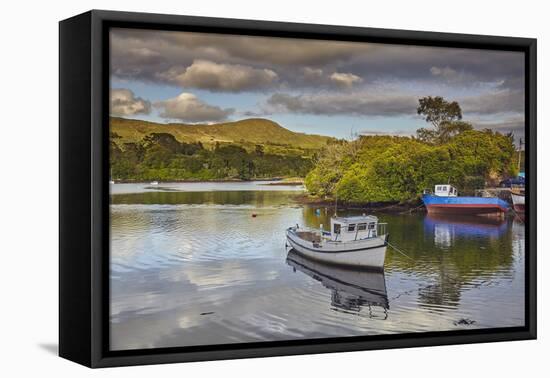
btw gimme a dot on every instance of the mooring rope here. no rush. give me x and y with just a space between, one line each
411 210
398 250
516 215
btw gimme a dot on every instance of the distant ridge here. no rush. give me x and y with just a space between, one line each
246 131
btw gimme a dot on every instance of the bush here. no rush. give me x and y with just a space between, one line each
398 169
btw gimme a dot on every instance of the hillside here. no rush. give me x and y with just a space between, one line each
245 132
244 150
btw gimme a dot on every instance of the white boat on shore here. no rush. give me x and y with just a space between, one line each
154 183
359 241
518 199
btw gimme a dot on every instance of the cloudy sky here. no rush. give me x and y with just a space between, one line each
321 87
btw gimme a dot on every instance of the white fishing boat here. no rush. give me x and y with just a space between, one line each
359 241
518 199
154 183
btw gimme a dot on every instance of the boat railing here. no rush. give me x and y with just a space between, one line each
517 189
381 228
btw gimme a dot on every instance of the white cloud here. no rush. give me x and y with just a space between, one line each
189 108
125 103
205 74
346 80
451 76
349 103
150 56
446 72
313 75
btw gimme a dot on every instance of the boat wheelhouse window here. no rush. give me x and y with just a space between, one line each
372 226
361 226
351 227
336 228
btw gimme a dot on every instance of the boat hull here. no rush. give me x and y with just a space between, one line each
519 203
368 253
519 208
465 205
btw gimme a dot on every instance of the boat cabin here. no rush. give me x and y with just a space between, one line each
347 229
445 191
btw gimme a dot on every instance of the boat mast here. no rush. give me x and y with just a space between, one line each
519 155
333 189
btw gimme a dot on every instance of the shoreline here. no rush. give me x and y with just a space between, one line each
304 198
279 181
382 207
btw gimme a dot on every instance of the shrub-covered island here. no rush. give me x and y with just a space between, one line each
398 169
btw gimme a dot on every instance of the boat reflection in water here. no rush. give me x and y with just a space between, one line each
352 290
446 228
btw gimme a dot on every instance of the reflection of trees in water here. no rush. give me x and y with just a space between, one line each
258 198
479 249
314 216
444 292
449 253
352 290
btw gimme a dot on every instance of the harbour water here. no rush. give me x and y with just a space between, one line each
206 263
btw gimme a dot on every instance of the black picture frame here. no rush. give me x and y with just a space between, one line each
84 188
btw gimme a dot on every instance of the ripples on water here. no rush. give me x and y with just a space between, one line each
195 268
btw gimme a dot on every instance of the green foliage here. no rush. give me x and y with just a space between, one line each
246 149
444 116
398 169
436 110
321 181
450 129
160 156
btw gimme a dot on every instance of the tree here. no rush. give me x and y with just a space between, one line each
444 116
168 141
426 135
259 149
329 168
436 110
448 130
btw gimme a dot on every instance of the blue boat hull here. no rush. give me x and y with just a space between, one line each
465 205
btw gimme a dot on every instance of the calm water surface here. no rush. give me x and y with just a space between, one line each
190 265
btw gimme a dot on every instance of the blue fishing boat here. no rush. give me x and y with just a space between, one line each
445 200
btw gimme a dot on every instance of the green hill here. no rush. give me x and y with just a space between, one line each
248 149
247 132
